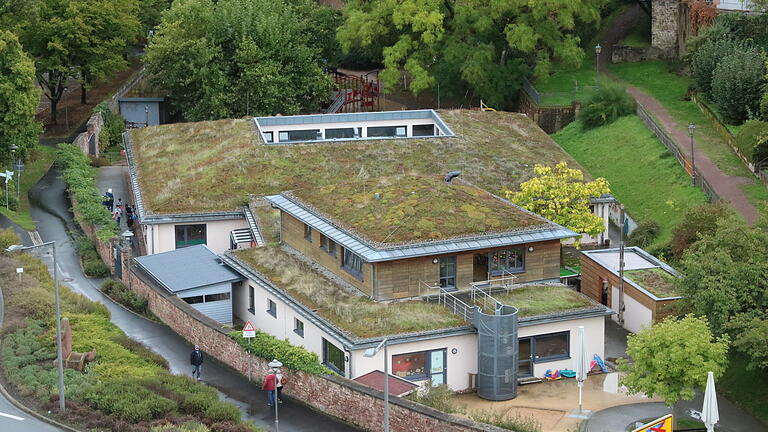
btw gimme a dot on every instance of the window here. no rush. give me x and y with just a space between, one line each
300 135
387 131
353 264
298 327
327 245
216 297
193 300
506 261
271 308
424 365
424 130
448 272
342 133
190 235
307 233
251 299
333 357
269 137
544 348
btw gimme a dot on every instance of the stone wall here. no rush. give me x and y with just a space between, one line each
624 54
105 249
339 397
670 27
549 119
92 129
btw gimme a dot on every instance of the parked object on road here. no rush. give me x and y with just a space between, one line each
196 360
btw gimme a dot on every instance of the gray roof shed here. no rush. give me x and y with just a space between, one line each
187 268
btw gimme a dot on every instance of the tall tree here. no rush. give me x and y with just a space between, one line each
237 57
561 195
671 359
485 46
19 98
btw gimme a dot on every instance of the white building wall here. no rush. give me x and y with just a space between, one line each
408 123
594 335
636 316
162 237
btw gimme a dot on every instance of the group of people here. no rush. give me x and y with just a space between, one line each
273 380
118 209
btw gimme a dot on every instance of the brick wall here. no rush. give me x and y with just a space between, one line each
339 397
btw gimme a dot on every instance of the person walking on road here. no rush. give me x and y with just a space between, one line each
196 359
273 383
110 199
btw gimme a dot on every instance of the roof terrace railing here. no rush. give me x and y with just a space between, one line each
455 305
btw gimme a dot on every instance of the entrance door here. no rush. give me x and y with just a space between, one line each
448 272
437 367
480 268
524 363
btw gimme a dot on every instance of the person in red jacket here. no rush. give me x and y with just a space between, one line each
270 380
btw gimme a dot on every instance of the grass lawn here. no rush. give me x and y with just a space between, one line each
638 167
656 280
537 300
568 84
495 151
670 89
748 389
415 208
357 315
38 163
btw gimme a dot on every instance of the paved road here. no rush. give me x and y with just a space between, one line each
54 220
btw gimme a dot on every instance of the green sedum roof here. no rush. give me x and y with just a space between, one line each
415 208
655 280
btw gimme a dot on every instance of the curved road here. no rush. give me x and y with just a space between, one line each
50 210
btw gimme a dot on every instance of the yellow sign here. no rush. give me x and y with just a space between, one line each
662 424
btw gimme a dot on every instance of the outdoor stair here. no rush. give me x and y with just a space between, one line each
253 226
338 102
241 235
528 380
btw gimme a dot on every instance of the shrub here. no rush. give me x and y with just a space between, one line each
222 411
8 237
706 58
752 140
764 106
293 357
504 421
114 126
186 427
128 400
140 349
13 203
645 233
439 398
606 105
123 295
698 221
737 85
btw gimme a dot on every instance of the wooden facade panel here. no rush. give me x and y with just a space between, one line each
292 233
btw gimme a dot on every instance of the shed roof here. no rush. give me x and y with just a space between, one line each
397 386
641 269
187 268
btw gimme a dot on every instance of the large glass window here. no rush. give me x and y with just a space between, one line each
543 348
387 131
506 261
418 366
424 130
341 133
300 135
353 264
269 137
448 272
193 299
216 297
333 357
190 235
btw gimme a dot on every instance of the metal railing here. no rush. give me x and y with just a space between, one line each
531 90
455 305
427 289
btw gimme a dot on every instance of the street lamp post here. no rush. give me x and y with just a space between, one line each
370 353
598 50
691 129
60 356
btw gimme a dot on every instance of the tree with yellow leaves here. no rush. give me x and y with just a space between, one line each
561 195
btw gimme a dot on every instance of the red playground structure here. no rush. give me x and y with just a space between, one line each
355 93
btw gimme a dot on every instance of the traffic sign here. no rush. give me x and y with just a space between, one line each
249 331
662 424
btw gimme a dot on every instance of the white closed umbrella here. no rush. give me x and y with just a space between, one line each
582 363
709 412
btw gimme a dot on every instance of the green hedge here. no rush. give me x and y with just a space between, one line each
123 295
81 182
293 357
752 140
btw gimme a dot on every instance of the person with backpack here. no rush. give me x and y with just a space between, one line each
196 359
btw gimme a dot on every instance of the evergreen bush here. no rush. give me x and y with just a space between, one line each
608 103
269 347
645 233
737 85
752 140
706 58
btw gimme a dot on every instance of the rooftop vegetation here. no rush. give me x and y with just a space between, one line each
656 280
358 316
214 165
534 300
414 208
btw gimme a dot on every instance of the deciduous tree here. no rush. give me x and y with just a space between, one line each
671 359
19 98
485 46
561 195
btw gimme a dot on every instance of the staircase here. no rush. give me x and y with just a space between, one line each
254 227
338 102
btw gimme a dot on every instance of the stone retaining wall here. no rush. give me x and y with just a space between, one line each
624 54
549 119
92 130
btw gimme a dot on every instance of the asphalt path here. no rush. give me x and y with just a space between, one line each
51 210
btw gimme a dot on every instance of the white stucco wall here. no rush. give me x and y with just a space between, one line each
162 237
282 326
636 316
594 334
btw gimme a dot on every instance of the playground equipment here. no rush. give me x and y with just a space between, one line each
355 93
